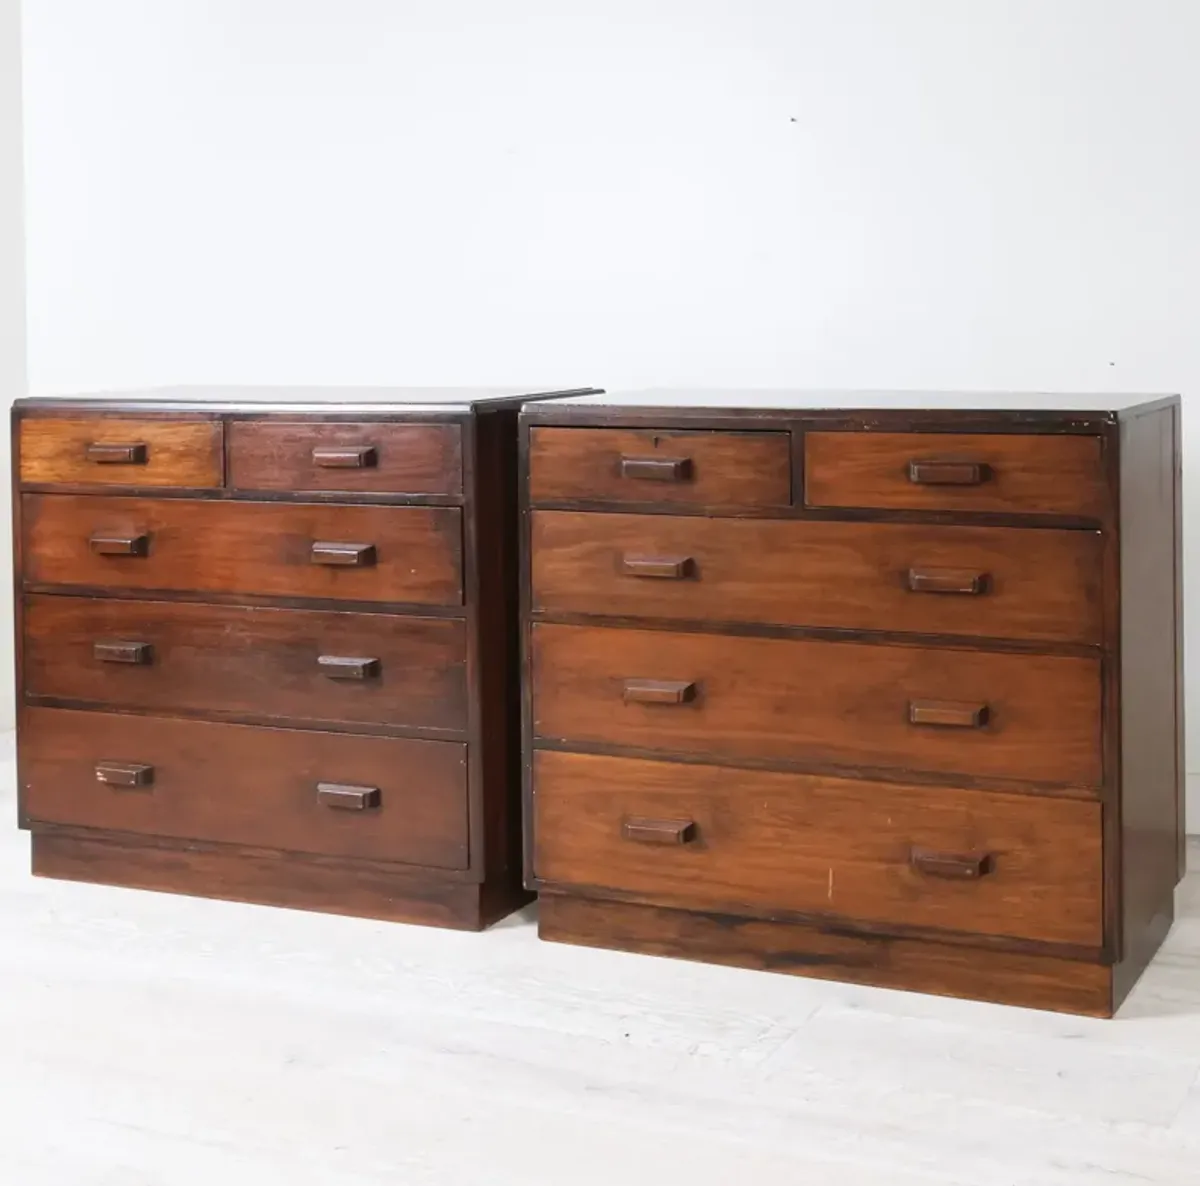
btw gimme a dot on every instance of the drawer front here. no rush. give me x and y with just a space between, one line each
116 451
743 841
999 582
376 798
1047 475
750 469
356 553
1027 717
345 458
311 665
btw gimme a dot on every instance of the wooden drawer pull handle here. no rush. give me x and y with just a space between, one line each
119 651
104 453
667 568
948 473
953 865
348 667
120 545
124 774
947 580
947 714
351 457
657 469
658 831
343 555
347 798
660 691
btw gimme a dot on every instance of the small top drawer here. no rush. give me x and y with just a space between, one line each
653 466
370 457
1027 474
120 451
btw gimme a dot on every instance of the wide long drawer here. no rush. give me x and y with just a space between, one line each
1021 583
704 837
1033 718
384 799
310 665
356 553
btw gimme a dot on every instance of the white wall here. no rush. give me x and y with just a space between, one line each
948 193
12 309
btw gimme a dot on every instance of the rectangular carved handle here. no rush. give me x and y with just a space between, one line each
345 457
124 774
120 651
107 453
660 691
953 865
348 667
947 580
667 568
104 544
948 714
347 798
658 831
948 473
342 555
657 469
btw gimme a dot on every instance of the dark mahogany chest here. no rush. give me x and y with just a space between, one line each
266 646
878 688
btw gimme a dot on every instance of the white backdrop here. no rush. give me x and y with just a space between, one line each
12 306
886 193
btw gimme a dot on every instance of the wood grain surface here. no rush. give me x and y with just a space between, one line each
1030 474
177 452
245 661
750 469
809 701
248 786
1010 978
762 841
303 456
246 548
1019 583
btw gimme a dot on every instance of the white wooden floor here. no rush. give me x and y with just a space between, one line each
149 1040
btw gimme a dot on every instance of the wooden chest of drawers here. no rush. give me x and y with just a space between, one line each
266 647
882 688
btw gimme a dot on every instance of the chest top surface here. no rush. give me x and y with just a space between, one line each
1074 409
265 400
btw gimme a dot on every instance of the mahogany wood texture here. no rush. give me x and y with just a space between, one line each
248 786
262 548
683 468
918 725
121 451
828 952
999 582
365 889
816 703
280 668
956 471
823 846
362 457
335 669
1152 820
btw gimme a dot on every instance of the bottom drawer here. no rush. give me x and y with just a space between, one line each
707 837
375 798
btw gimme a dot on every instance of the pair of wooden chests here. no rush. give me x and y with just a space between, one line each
882 688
